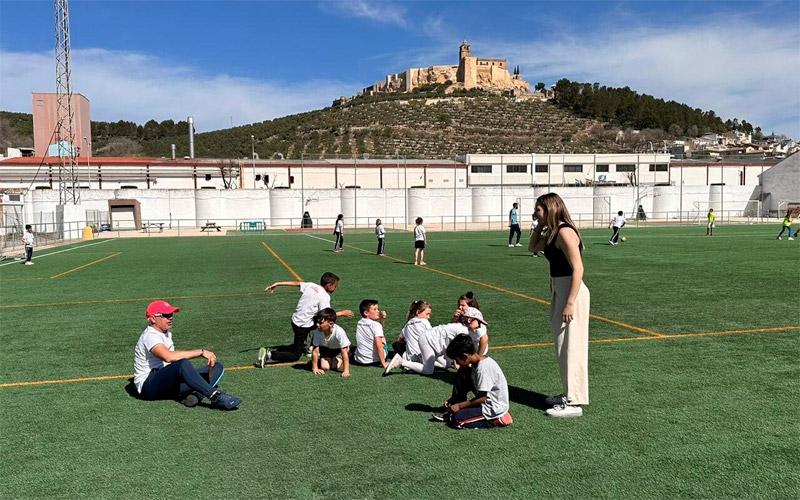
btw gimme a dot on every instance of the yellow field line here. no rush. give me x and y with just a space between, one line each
776 329
287 266
122 301
531 298
85 265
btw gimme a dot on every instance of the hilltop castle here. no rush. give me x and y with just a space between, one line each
471 72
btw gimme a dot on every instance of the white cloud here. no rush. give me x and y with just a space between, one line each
379 11
138 87
738 69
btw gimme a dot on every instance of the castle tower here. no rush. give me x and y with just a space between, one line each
463 51
467 73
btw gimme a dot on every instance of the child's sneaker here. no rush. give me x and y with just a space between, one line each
440 416
564 411
790 238
396 362
29 263
518 245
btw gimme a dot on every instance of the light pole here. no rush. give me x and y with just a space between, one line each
253 157
88 156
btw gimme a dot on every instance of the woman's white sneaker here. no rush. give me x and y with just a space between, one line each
564 411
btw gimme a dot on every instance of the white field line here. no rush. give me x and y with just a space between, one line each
60 251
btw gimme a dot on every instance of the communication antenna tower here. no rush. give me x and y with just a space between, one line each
68 191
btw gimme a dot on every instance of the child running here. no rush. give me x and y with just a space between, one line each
617 224
489 407
419 243
380 233
417 323
330 345
787 226
370 347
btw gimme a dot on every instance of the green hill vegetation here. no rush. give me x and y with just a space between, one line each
425 124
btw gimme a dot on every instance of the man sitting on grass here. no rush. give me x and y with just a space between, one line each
161 372
489 407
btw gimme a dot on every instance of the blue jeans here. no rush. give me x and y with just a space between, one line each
179 378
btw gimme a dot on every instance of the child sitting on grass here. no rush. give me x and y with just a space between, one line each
370 342
489 407
331 346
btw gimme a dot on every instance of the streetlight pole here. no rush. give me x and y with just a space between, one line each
88 156
253 157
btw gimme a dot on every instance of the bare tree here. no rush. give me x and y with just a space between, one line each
229 170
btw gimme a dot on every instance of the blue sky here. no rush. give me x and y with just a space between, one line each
235 62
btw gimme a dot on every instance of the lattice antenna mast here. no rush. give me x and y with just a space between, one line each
68 191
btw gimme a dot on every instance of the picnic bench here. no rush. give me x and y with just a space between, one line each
149 226
209 226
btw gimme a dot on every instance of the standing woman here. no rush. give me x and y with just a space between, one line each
338 232
560 240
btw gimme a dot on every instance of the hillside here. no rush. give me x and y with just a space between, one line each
425 124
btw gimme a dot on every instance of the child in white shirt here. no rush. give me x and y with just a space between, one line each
370 342
331 346
380 233
419 243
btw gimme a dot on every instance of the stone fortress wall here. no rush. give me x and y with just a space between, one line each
470 72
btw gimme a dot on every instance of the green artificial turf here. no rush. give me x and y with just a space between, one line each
702 416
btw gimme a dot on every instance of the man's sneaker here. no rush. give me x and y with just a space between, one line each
225 401
263 357
396 362
557 400
190 400
440 416
790 239
510 245
564 411
28 263
518 245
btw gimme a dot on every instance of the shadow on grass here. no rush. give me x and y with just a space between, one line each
422 407
528 398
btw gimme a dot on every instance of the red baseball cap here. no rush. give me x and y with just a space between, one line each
160 307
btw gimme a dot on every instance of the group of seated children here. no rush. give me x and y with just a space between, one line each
463 342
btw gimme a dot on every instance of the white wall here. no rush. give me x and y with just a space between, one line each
284 207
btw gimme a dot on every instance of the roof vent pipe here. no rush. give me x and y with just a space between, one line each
191 136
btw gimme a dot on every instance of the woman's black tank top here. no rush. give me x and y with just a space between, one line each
559 265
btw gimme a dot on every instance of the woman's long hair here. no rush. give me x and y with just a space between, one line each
555 211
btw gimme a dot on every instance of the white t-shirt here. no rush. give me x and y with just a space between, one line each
411 332
380 232
314 298
143 360
367 331
339 226
337 339
489 378
476 338
27 238
439 337
618 221
419 233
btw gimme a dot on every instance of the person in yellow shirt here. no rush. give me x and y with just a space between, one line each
787 225
712 217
